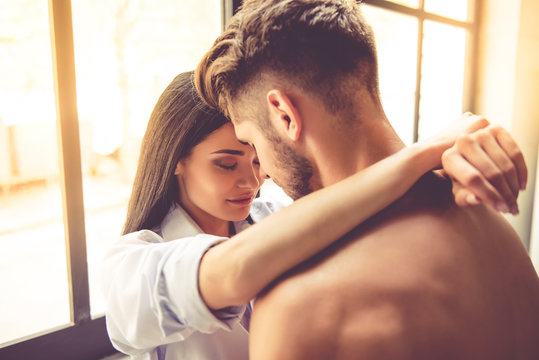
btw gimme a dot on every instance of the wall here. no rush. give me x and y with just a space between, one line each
508 81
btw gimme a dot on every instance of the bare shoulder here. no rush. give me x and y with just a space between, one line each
395 287
357 298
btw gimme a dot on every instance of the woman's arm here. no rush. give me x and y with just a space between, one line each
233 272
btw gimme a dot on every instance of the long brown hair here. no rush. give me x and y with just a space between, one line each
179 121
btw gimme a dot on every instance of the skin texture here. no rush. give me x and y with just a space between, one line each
233 272
219 180
422 279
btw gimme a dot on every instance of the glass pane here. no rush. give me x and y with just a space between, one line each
396 41
442 77
33 275
126 53
410 3
456 9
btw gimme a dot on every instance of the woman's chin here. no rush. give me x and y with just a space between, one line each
239 216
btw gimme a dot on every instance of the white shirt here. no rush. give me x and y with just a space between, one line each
154 308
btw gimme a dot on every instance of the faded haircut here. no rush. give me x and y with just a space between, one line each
321 46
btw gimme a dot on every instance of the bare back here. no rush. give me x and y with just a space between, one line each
421 280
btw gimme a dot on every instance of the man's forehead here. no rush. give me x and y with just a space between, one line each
240 129
232 113
237 114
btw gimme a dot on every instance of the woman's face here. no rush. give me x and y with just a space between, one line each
219 179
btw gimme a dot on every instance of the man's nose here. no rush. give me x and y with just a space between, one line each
263 175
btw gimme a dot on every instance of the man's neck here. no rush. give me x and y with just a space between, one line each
346 152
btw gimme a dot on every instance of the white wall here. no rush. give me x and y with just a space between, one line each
508 84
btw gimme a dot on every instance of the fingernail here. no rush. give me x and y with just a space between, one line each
472 199
502 207
514 209
523 185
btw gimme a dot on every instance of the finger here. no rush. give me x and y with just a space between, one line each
498 155
476 122
476 156
470 198
463 197
512 150
471 179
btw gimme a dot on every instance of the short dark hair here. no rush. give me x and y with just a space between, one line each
322 46
179 121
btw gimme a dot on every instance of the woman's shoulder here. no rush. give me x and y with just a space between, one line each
146 236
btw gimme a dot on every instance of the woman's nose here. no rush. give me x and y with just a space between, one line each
250 178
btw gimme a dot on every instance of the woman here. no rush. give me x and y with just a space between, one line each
180 291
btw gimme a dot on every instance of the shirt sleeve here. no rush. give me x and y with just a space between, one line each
151 291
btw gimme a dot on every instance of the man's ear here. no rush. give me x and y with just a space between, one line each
284 114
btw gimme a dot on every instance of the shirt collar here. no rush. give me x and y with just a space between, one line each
179 224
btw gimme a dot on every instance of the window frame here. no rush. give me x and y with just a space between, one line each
471 55
84 337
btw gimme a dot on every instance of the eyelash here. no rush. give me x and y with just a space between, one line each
233 167
229 168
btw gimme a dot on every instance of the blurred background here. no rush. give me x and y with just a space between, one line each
437 58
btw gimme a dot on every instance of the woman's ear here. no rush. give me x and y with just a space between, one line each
179 168
284 114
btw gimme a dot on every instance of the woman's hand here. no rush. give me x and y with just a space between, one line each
485 164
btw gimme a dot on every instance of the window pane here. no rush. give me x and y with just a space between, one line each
126 53
456 9
33 275
442 78
410 3
396 41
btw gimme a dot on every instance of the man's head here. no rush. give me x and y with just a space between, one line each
276 53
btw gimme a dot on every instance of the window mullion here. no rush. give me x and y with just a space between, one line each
226 13
472 56
70 159
419 64
418 12
228 9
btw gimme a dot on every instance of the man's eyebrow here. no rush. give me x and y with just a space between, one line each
229 151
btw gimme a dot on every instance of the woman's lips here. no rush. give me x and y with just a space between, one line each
243 201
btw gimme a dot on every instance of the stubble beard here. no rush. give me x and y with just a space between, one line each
297 170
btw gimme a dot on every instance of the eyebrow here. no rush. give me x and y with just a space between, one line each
228 151
247 144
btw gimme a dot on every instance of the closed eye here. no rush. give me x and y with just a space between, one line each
227 167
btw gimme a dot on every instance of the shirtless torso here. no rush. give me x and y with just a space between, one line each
421 280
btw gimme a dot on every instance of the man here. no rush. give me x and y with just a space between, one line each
421 280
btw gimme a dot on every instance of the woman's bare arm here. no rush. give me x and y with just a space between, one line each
235 271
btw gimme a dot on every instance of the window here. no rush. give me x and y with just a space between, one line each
64 184
126 53
33 263
68 147
424 47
